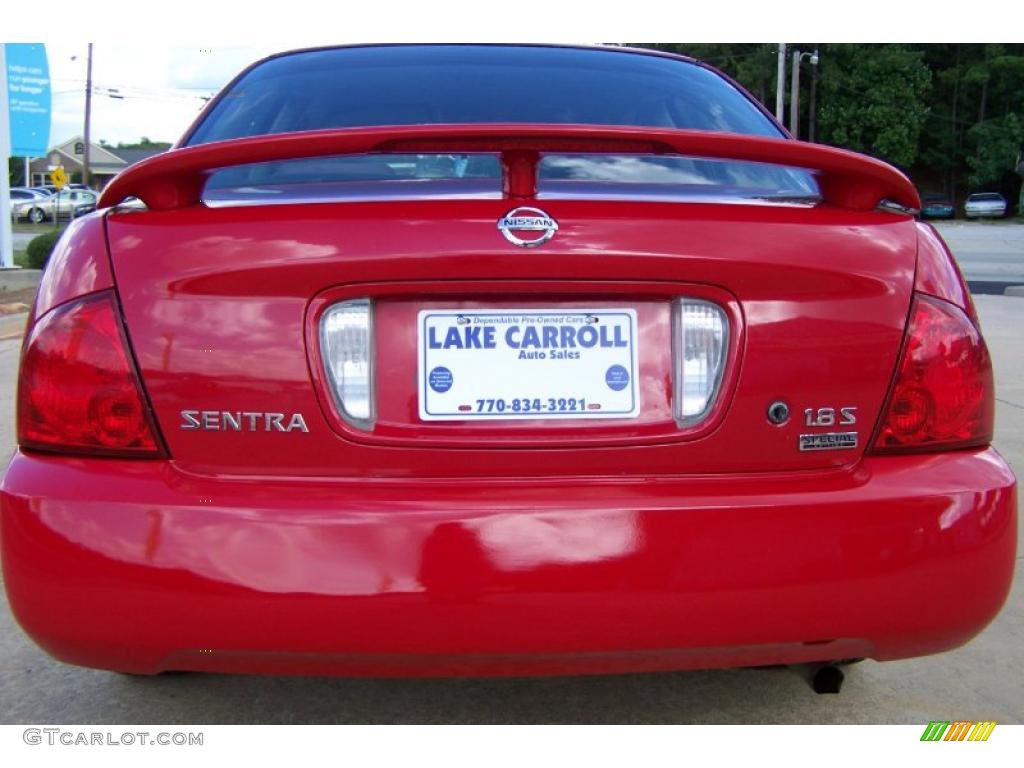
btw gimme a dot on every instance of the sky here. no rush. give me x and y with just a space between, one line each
162 87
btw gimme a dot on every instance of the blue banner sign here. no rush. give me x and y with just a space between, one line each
28 97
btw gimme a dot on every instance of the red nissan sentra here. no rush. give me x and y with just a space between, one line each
432 359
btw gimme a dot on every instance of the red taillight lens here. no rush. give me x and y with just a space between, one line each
943 396
78 390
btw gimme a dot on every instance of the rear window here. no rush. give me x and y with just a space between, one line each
429 84
458 84
986 197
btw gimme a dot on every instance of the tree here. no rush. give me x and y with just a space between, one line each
998 144
940 111
144 143
873 99
16 172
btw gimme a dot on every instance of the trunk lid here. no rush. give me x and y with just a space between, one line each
223 309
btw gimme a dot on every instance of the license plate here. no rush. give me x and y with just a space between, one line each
527 364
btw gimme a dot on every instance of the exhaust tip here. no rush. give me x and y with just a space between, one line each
827 679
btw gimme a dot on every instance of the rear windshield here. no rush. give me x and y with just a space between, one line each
431 84
986 197
428 84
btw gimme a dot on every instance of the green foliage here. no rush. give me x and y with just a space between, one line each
15 171
942 111
39 249
752 64
873 100
144 143
998 145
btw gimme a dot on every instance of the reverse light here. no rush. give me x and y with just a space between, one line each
943 396
78 391
700 341
346 342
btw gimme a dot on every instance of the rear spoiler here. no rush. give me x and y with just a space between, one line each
175 179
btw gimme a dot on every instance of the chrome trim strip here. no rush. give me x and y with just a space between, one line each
667 198
786 202
247 202
889 206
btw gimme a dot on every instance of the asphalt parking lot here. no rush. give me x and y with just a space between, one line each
978 682
991 253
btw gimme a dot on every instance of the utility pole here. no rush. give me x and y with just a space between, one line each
812 107
1020 172
794 97
780 85
6 240
88 110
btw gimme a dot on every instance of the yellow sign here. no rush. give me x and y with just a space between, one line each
59 177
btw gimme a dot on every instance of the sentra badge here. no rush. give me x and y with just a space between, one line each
243 421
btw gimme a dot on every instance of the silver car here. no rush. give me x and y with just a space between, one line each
21 195
68 203
985 204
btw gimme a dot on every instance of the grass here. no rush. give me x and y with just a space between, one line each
27 227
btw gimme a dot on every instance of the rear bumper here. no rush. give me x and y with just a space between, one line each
977 213
139 567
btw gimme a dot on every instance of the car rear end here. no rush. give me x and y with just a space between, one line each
503 398
985 205
937 207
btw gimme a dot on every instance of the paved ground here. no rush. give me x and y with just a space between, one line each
978 682
991 254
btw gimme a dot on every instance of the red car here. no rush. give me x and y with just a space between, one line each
445 360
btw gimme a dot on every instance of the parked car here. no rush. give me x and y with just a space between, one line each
985 205
937 207
68 203
502 360
21 195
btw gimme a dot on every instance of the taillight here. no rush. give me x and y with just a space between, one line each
78 390
943 396
346 343
700 338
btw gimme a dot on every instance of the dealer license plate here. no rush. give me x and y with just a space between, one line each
527 364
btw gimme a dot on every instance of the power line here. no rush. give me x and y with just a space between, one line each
125 95
137 91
